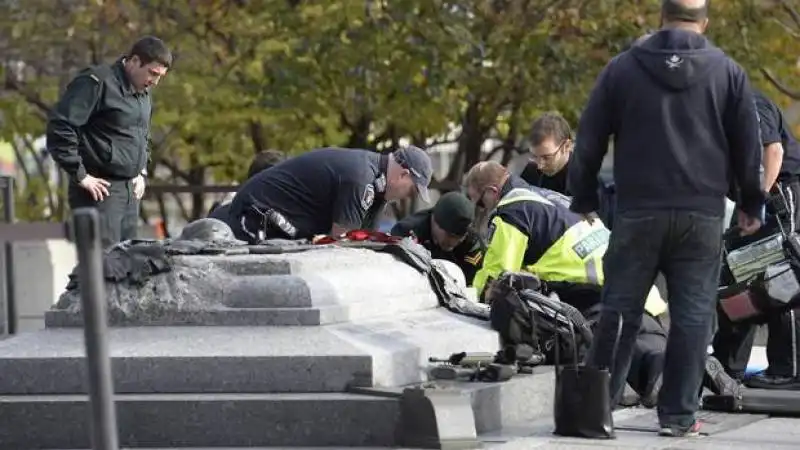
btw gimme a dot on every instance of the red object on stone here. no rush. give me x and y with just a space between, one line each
358 236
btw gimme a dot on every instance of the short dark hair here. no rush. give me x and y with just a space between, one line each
677 11
550 125
152 49
264 160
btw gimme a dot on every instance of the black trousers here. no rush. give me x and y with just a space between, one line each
119 212
733 342
686 246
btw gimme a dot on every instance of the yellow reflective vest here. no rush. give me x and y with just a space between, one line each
530 232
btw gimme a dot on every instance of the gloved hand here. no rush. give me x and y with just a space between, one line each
138 187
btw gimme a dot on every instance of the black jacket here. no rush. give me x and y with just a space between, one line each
535 177
100 126
684 124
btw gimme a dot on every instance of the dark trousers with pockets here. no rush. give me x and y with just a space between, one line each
733 342
686 247
119 212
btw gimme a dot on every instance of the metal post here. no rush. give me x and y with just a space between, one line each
86 229
8 255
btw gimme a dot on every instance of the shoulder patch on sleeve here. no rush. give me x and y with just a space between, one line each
368 197
474 259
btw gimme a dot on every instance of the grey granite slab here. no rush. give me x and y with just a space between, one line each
388 352
521 399
373 307
325 285
210 420
188 359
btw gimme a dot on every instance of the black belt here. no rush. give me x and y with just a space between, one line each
269 220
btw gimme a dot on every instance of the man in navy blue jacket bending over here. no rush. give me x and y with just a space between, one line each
684 125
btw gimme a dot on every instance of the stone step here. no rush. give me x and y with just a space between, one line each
287 316
205 420
391 352
204 292
261 448
367 417
322 259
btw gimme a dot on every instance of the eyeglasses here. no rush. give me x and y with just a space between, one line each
548 156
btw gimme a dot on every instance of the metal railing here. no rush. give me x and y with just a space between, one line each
10 232
86 232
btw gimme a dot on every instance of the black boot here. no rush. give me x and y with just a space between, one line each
773 381
650 396
718 381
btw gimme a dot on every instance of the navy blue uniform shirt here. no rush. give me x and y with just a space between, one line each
775 129
319 188
684 124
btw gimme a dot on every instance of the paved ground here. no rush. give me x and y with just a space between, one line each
724 431
765 434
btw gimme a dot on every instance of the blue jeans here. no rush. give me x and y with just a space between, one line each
686 246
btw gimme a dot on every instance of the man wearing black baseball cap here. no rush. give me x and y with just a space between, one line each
446 231
326 191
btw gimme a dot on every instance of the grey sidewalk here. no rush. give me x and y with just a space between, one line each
730 431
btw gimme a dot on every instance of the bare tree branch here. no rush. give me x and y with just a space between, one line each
786 28
785 90
13 85
792 11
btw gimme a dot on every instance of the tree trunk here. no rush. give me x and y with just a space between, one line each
473 134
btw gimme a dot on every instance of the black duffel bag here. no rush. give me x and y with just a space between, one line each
523 315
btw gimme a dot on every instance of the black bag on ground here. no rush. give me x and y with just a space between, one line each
522 315
582 406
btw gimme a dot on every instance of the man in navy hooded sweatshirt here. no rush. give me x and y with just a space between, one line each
685 126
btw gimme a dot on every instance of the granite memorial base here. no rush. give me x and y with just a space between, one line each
327 347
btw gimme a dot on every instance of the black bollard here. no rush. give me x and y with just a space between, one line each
86 229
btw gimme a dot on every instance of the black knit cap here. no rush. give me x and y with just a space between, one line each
454 213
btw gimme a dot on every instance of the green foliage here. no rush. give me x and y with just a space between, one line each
761 35
294 75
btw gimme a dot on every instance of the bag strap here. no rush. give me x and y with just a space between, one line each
557 345
575 344
616 341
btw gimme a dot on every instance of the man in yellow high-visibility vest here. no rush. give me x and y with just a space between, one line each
532 229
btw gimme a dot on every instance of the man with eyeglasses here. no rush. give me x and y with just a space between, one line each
551 150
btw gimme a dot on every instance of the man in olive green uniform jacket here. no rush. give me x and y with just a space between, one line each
98 134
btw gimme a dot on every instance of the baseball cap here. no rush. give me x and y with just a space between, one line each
454 213
416 161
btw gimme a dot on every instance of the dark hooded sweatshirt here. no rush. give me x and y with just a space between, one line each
684 124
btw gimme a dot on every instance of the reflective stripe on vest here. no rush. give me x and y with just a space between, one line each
577 256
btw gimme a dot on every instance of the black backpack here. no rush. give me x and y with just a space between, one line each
523 315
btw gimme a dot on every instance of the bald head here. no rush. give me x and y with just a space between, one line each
686 14
692 11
